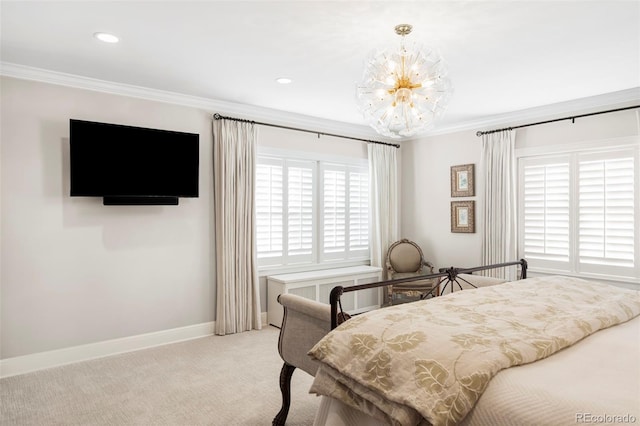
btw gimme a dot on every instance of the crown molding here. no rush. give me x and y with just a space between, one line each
284 118
611 100
244 111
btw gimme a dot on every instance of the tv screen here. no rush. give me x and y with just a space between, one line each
132 165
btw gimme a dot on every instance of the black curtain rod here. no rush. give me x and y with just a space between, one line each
572 118
217 116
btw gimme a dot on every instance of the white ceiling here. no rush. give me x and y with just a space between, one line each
503 56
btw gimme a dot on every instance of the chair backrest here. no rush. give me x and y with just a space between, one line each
404 256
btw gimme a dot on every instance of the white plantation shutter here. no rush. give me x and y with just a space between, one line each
579 212
334 209
358 210
303 217
269 208
284 211
344 212
546 211
606 210
300 195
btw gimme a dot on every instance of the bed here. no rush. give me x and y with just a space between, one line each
450 360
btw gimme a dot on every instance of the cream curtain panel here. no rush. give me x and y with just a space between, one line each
234 164
499 242
383 196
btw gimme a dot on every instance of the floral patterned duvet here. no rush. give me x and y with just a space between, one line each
428 362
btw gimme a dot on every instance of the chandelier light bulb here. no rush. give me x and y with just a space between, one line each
403 96
403 90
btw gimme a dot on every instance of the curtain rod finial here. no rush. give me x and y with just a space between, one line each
479 133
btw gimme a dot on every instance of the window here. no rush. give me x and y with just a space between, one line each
579 212
345 211
310 212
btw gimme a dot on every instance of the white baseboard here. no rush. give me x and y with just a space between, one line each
42 360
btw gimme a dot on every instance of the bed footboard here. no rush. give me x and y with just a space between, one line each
446 276
304 323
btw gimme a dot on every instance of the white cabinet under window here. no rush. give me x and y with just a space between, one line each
317 285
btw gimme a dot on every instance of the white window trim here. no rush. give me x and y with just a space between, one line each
594 146
621 143
267 151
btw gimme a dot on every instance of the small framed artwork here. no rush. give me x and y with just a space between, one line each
463 216
462 181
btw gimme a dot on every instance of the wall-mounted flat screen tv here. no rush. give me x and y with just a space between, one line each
132 165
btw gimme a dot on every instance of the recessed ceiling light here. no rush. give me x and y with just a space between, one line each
283 80
106 37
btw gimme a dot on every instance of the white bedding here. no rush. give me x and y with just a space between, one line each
594 381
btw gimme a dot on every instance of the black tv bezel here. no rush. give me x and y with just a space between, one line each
111 199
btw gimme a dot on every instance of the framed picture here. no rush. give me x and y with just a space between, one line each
462 181
463 216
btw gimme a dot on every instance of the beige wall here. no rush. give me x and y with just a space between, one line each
74 271
426 197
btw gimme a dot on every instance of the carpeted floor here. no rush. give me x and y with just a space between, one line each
216 380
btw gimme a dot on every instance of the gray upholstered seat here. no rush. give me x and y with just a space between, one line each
405 259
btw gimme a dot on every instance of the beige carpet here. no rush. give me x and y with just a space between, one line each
217 380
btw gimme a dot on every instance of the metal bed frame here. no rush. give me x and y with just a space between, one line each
446 276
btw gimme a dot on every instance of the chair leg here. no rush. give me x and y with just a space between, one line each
285 388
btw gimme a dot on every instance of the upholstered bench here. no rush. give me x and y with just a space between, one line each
304 323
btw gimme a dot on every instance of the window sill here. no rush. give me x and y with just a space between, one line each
277 270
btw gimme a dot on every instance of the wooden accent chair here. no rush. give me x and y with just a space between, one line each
404 260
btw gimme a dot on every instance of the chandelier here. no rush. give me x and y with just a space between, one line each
403 91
